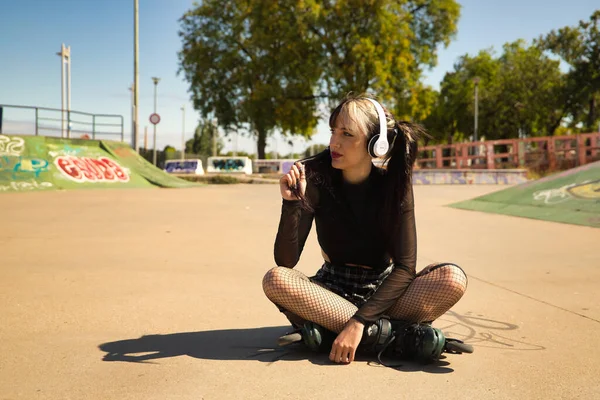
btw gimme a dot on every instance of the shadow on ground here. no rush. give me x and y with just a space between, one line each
236 344
260 344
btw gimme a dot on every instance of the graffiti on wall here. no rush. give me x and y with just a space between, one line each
180 167
87 169
11 146
32 184
65 149
428 177
588 190
21 168
18 172
228 164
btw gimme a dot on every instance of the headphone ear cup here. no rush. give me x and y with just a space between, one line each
371 146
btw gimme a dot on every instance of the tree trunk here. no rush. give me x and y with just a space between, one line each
591 114
261 143
554 126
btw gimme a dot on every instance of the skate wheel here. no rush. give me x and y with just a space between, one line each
457 346
290 338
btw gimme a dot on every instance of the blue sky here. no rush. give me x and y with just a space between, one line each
100 34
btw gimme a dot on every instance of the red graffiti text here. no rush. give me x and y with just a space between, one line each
85 169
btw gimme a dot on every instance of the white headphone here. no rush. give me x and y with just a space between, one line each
378 145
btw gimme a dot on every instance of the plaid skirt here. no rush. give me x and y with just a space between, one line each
354 284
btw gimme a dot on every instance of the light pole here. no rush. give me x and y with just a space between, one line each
133 142
65 57
215 134
183 133
136 90
235 137
476 80
155 80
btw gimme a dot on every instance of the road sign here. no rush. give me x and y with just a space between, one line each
154 118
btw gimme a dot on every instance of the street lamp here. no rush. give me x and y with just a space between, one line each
65 58
183 132
155 80
215 134
133 140
136 75
476 80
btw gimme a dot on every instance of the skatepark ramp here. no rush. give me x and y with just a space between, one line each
572 196
33 163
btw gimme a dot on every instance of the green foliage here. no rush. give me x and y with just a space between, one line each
202 142
314 149
251 63
519 92
267 65
251 156
383 46
579 47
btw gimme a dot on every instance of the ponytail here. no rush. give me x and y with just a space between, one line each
399 165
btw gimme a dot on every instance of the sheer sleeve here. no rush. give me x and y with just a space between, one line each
295 224
404 257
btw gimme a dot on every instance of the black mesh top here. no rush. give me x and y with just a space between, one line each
348 230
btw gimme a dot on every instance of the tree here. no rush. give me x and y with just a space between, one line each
453 113
580 47
522 91
314 149
251 156
267 65
383 47
248 63
532 92
202 143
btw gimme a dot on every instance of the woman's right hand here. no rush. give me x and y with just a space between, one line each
295 178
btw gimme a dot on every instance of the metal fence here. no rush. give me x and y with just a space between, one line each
42 121
543 153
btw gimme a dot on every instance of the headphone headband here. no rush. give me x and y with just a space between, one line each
381 146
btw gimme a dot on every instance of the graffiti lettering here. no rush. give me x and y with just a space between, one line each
21 186
18 168
555 196
590 190
85 169
424 177
11 146
228 165
65 149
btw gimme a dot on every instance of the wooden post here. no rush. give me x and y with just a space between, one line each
490 155
594 144
581 156
551 154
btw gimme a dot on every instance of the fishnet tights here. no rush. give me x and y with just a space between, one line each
433 292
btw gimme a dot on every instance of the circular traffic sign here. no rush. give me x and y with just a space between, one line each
154 118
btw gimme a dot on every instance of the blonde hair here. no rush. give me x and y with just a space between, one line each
358 113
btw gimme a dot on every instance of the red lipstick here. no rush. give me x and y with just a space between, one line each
335 155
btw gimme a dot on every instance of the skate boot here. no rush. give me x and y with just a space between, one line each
320 339
420 342
423 343
314 336
376 336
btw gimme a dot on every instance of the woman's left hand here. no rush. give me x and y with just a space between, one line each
345 345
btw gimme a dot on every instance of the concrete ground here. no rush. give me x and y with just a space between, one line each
156 294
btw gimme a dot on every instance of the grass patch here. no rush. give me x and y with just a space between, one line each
226 179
